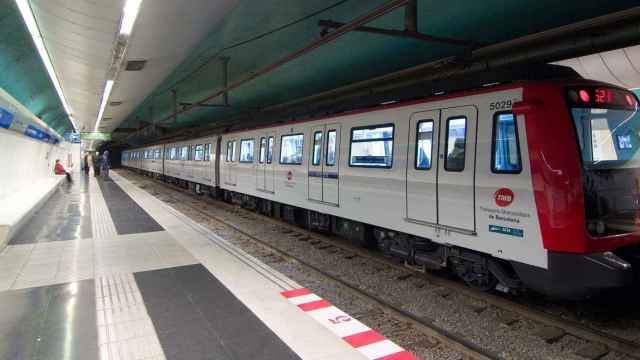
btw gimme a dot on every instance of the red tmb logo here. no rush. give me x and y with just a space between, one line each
289 175
503 197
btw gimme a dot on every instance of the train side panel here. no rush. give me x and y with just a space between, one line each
496 211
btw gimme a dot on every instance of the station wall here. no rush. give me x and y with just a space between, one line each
25 161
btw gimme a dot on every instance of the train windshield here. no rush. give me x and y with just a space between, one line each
607 123
608 138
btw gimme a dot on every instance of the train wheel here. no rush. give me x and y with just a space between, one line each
475 274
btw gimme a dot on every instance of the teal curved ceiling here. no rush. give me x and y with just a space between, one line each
354 57
23 73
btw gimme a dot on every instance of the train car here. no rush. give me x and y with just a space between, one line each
520 185
192 161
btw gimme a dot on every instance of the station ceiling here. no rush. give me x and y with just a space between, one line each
183 43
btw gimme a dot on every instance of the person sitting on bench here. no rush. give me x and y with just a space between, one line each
60 170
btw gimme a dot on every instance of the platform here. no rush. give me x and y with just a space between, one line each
106 271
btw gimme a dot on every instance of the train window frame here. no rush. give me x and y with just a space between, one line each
368 127
415 155
262 152
199 147
335 148
493 144
282 143
317 145
446 143
233 150
252 153
271 141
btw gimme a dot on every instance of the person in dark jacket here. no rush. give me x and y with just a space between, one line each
96 165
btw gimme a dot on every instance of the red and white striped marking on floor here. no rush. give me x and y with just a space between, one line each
369 342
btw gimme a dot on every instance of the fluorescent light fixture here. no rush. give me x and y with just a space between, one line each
32 26
105 98
129 15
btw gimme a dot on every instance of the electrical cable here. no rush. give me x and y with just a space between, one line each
243 42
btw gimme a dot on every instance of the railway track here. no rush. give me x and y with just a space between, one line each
553 328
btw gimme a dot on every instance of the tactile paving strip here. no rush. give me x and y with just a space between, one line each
367 341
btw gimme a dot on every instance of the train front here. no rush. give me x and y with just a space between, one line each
607 127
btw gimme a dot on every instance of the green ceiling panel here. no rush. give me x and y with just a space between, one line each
23 73
352 58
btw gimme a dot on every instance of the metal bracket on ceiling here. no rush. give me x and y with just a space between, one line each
410 29
186 105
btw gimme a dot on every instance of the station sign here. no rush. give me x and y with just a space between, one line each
95 135
72 137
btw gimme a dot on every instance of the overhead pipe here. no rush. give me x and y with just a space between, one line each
372 15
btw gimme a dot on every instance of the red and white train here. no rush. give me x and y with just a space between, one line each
533 184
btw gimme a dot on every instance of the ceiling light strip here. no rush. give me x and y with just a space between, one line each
32 26
129 14
105 97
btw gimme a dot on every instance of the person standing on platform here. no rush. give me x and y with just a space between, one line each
105 164
86 163
96 165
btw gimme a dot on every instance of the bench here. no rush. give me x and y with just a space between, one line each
17 208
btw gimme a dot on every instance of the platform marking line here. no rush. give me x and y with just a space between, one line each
367 341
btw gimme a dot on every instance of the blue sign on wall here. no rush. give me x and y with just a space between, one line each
72 137
6 118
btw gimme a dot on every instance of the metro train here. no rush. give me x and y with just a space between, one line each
526 185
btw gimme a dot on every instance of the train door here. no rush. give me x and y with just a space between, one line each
269 170
331 176
456 168
262 159
231 160
323 164
422 167
315 171
264 170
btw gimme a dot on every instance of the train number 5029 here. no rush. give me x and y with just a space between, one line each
500 105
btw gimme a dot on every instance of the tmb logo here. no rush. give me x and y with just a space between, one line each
290 175
503 197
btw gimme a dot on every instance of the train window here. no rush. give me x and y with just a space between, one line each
456 142
505 155
270 150
291 149
372 146
174 153
207 152
246 150
229 150
198 154
424 144
158 154
317 148
263 150
330 155
184 153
